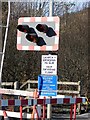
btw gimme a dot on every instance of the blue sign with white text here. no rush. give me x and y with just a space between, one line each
47 85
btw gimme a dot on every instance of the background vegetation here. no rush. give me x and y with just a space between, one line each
73 45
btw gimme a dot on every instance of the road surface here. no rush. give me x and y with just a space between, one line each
85 116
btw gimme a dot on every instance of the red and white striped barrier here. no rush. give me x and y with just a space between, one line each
31 102
16 114
16 92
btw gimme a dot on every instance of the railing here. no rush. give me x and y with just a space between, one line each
59 91
6 84
76 92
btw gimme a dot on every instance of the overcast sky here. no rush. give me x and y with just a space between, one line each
78 0
46 0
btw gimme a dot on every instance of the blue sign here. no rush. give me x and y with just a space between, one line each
47 85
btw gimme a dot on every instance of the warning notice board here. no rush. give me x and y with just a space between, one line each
49 65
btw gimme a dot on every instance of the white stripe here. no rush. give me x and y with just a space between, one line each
17 102
15 114
18 40
72 100
16 92
4 102
26 19
48 47
29 102
47 101
57 26
34 102
36 48
56 40
25 47
59 100
50 19
38 19
84 100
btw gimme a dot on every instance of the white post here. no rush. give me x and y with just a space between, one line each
0 35
49 111
79 106
16 85
51 7
49 106
5 39
4 47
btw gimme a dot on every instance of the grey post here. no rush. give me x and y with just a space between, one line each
49 106
4 47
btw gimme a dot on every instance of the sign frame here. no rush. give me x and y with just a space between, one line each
23 44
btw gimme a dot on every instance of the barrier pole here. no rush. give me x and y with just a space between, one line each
71 112
35 95
75 111
5 115
20 110
44 108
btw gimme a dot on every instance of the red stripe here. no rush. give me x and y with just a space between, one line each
31 48
43 48
55 47
43 19
19 34
32 19
56 19
11 102
39 101
88 99
19 46
66 100
24 102
78 100
20 20
53 101
57 32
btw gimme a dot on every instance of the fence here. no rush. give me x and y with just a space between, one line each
29 87
34 82
38 101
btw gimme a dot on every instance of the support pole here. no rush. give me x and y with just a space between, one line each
49 106
49 111
4 47
20 110
50 7
79 105
71 112
75 111
44 108
5 39
5 115
35 96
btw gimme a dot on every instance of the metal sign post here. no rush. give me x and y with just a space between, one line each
5 39
4 47
49 107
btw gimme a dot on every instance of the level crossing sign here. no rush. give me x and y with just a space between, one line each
38 33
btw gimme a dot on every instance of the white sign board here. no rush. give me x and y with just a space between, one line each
49 65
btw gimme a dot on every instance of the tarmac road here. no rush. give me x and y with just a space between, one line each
85 116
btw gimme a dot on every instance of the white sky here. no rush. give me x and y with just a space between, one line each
77 0
46 0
